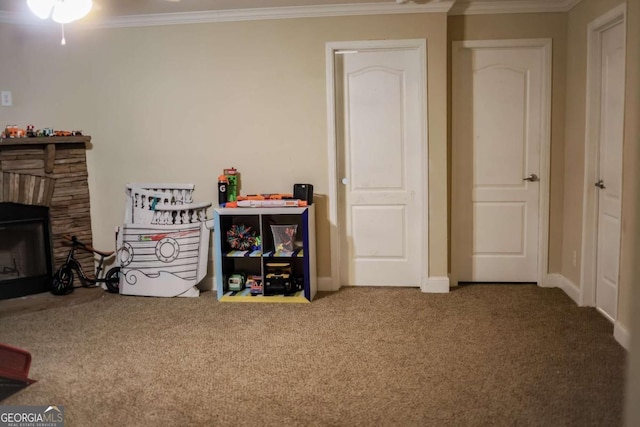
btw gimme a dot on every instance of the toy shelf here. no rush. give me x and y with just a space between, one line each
297 253
245 296
243 254
258 261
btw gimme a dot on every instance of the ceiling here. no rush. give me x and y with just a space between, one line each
16 11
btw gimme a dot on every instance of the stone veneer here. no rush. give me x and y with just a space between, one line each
51 172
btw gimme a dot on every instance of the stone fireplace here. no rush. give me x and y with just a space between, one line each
44 195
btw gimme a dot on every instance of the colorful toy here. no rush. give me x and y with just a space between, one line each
283 238
13 131
236 282
254 283
31 132
277 196
278 279
257 245
241 237
233 178
267 204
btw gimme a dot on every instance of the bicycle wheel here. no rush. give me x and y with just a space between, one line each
62 282
112 280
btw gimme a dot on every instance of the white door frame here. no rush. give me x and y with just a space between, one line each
334 179
545 143
592 149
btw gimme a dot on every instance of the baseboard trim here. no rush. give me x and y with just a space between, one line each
436 285
556 280
622 335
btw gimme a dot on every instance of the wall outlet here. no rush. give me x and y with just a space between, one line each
7 100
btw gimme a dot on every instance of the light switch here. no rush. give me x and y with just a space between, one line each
7 101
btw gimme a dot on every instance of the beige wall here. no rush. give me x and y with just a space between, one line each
630 268
520 26
568 31
179 103
629 265
579 19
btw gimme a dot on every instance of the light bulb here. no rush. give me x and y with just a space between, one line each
41 8
66 11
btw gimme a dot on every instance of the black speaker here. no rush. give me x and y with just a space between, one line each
303 192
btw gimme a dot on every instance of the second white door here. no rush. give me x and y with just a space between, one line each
381 157
500 107
611 109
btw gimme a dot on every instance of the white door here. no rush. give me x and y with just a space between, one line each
610 168
500 107
380 118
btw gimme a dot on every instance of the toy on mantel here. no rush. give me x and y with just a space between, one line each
31 131
13 131
67 133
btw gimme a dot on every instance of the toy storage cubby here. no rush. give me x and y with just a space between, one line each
258 261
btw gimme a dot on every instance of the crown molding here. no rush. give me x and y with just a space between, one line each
275 13
571 4
453 7
516 6
254 14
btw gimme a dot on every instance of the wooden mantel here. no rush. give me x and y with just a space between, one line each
46 140
49 143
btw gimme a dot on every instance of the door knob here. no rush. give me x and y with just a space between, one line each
531 178
345 181
600 185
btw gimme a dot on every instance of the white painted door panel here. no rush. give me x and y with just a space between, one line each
381 157
610 169
497 132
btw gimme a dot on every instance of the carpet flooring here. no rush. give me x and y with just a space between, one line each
481 355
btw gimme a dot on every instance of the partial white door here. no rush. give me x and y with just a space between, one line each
381 162
500 131
609 181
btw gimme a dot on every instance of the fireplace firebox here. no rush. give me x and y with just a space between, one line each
25 250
